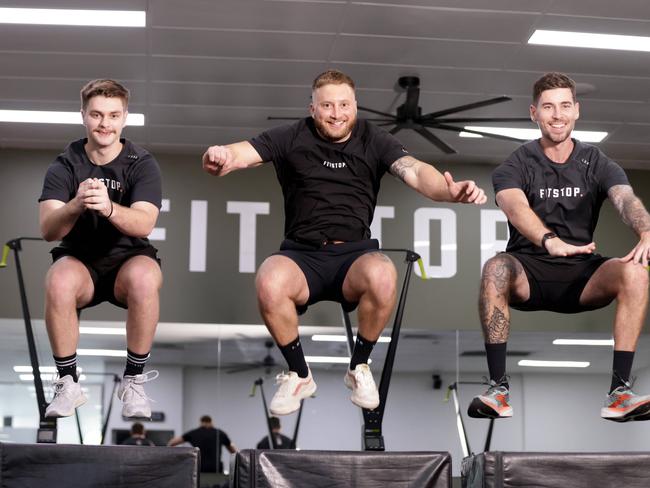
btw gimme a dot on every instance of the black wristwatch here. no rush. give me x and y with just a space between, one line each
546 237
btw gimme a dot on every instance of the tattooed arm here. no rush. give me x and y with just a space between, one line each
515 205
428 181
635 215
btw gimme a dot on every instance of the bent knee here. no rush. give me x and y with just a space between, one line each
634 276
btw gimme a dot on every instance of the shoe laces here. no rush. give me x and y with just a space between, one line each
59 386
134 384
363 376
495 385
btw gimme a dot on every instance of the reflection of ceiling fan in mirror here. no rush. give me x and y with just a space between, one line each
267 362
409 116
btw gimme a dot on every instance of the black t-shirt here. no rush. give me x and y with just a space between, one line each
567 197
330 189
209 440
281 442
137 441
132 176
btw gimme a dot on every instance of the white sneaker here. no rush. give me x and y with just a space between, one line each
67 397
135 402
292 388
364 390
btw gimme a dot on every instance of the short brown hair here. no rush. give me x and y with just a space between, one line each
550 81
105 88
137 428
332 77
206 419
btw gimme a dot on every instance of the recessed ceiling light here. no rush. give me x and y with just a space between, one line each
584 342
339 338
553 364
54 117
530 134
50 16
590 40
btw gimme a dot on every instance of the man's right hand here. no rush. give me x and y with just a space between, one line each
218 160
557 247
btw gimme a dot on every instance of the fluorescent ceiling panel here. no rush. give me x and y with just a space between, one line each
50 16
590 40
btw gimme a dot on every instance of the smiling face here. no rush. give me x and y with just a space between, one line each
334 110
104 118
555 113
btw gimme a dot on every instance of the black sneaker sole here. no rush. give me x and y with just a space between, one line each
479 410
642 412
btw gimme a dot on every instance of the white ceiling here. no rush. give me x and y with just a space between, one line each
211 71
208 71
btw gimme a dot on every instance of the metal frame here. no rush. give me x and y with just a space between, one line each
462 433
260 382
372 437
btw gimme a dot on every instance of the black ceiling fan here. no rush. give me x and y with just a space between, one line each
409 116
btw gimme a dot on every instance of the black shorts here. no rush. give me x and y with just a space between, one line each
103 271
557 283
325 268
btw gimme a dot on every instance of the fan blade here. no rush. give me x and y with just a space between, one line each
395 130
479 119
390 121
480 133
435 140
372 111
284 118
469 106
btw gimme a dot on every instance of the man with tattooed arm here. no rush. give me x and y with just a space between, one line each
329 166
551 190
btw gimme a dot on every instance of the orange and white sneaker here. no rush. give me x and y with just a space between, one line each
493 404
291 390
362 384
623 404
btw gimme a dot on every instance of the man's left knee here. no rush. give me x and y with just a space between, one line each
634 277
382 277
141 279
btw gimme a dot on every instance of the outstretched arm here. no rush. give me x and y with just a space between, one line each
634 214
221 160
428 181
515 205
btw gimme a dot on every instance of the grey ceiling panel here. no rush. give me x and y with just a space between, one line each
421 52
237 14
230 70
579 60
77 66
629 9
103 40
240 44
238 95
399 20
461 5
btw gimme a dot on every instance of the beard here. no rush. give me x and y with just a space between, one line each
334 135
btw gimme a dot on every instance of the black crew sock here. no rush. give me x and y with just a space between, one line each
361 352
67 366
496 359
135 363
621 368
295 358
